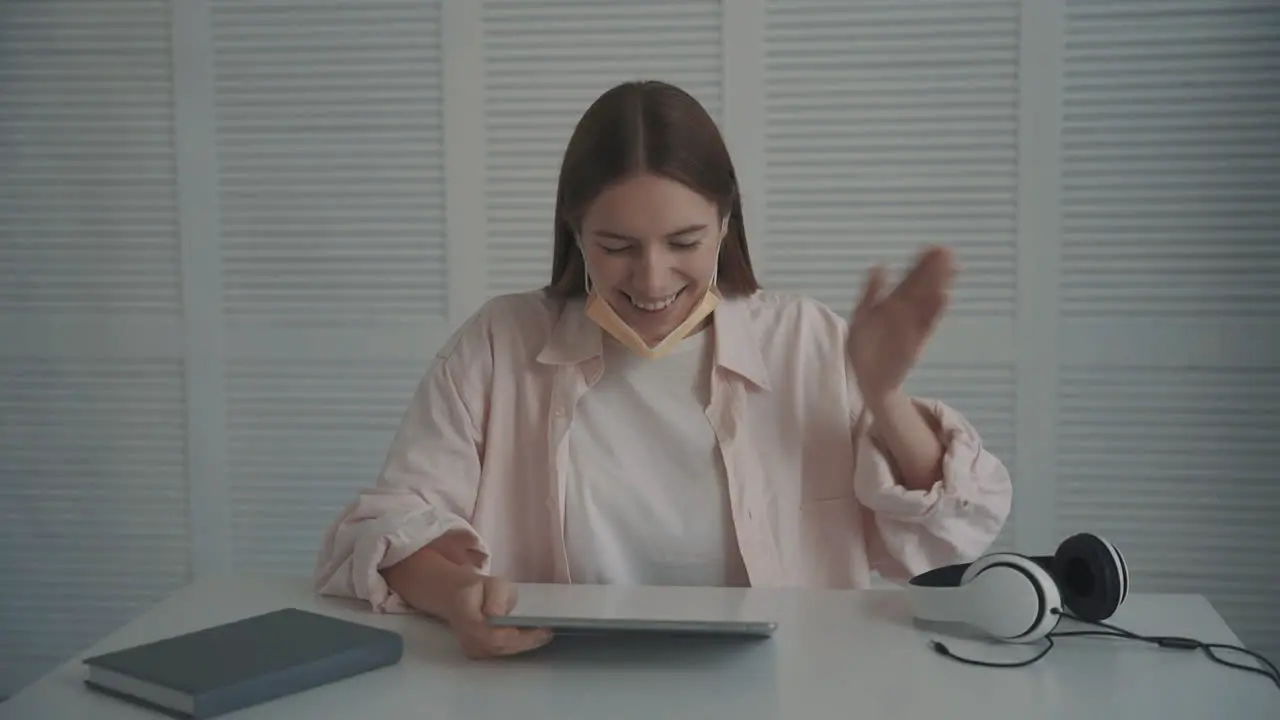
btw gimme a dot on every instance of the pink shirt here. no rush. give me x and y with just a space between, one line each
481 453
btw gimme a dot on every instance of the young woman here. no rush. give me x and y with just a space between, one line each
653 417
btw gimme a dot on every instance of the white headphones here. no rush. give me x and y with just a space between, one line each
1020 599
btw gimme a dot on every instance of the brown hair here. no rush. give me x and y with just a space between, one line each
647 126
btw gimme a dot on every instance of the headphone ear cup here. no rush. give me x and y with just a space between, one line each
1092 576
1011 598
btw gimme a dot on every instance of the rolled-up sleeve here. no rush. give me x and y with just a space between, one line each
954 521
425 491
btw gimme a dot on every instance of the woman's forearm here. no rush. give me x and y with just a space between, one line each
906 436
429 581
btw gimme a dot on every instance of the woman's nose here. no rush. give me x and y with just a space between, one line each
652 273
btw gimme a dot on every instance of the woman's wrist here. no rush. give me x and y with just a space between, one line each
905 434
429 581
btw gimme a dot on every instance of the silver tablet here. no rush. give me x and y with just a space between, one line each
640 609
565 624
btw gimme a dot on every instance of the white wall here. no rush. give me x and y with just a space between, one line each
232 234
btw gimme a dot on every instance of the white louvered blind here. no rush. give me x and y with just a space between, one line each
92 462
329 146
93 506
86 158
1171 191
545 63
329 139
304 436
1171 156
1178 468
891 126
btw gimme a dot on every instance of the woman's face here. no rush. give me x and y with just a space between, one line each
651 246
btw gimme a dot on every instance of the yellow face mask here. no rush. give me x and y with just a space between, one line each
603 314
599 310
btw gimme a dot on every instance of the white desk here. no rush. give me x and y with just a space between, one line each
836 654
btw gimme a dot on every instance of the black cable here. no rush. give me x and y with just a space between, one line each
1268 670
1182 643
944 650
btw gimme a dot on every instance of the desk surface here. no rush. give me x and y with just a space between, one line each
836 654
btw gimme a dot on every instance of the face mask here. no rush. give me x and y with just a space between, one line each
599 310
603 314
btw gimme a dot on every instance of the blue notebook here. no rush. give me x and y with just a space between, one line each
232 666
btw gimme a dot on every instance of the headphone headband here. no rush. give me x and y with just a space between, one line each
1005 595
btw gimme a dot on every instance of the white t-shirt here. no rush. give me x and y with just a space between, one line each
647 499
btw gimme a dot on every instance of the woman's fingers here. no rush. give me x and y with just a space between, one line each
485 641
499 596
493 597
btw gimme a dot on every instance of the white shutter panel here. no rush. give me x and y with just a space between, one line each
332 214
1171 184
304 437
93 505
545 63
329 147
86 122
93 511
889 127
1171 159
1178 468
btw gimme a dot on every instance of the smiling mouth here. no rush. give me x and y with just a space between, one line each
654 306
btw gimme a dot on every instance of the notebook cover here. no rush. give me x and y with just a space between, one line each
139 701
247 662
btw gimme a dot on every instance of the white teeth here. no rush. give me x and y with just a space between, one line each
656 305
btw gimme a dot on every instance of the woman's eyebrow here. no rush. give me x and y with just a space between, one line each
677 233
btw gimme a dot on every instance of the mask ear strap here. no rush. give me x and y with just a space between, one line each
715 270
586 274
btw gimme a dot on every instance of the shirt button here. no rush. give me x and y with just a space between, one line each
560 412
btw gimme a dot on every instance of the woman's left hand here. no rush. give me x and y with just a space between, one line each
887 333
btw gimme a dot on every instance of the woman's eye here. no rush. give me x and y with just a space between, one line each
686 244
614 250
